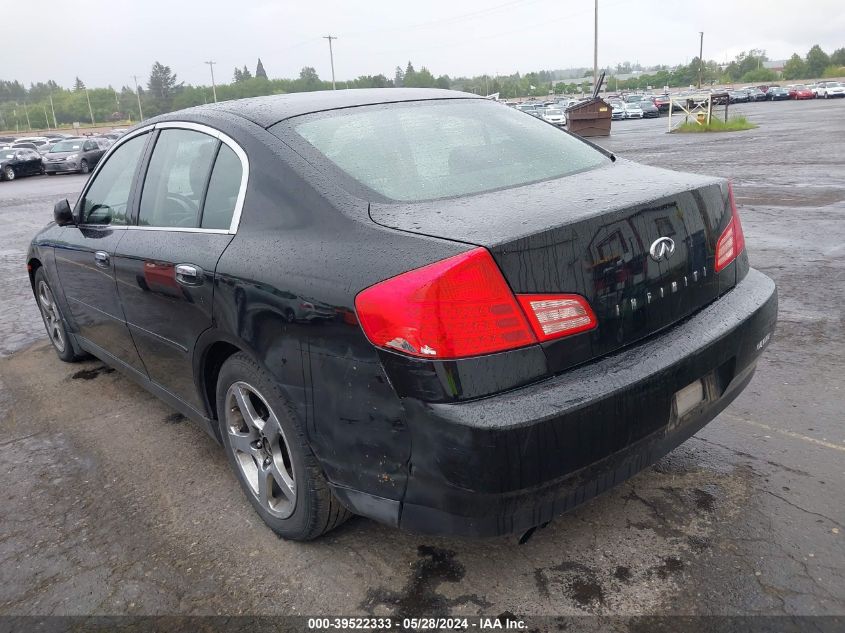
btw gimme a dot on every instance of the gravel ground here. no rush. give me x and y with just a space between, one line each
113 505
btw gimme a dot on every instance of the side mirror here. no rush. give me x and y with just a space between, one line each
62 213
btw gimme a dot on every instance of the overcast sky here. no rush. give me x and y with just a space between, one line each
107 42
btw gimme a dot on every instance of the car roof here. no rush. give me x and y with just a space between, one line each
266 111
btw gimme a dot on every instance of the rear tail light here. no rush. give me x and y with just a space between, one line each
732 241
462 306
553 316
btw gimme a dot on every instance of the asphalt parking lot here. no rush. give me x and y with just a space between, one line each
113 504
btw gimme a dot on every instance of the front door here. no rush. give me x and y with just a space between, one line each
165 264
85 254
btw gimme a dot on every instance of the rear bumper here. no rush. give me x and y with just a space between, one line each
513 461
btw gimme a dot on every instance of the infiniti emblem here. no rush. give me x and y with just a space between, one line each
662 248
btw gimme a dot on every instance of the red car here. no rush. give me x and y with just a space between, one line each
801 92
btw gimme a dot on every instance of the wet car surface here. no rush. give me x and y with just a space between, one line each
746 517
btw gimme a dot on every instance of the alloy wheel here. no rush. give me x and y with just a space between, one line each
52 318
261 450
9 173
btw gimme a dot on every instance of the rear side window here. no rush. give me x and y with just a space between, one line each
223 189
437 149
176 179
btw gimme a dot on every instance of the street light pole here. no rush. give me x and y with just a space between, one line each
213 87
331 55
90 111
53 110
596 46
700 61
138 94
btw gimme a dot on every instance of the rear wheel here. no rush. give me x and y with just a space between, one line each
52 317
9 173
270 455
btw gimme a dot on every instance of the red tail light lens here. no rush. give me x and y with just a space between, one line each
554 316
732 241
457 307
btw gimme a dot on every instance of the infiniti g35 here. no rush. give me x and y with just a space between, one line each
415 305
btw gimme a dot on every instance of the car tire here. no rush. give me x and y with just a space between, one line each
9 173
53 321
83 167
267 449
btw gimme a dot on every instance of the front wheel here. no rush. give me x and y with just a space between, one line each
9 173
83 167
52 317
270 455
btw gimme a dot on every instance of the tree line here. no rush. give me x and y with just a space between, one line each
22 108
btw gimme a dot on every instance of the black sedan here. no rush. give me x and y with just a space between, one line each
738 96
650 110
77 155
415 305
777 93
19 161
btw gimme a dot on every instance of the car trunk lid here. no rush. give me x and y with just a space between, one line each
591 234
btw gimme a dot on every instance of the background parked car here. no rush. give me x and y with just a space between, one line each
32 142
777 93
633 110
829 89
74 155
662 103
555 116
802 92
650 110
755 94
19 161
737 96
617 110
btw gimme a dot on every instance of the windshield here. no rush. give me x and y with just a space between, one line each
436 149
66 146
4 155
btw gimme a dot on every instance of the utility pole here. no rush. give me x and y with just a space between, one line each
138 94
46 118
213 87
53 110
700 61
28 126
596 46
331 55
90 111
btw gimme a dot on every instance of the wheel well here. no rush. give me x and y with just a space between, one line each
32 267
214 359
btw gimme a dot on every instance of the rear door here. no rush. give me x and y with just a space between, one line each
187 215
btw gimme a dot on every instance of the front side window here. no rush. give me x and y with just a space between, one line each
436 149
107 199
176 179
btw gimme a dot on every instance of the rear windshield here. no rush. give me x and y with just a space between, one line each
438 149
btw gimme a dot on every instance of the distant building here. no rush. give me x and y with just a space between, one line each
775 65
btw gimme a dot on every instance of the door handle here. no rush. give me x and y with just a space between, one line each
189 275
101 258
